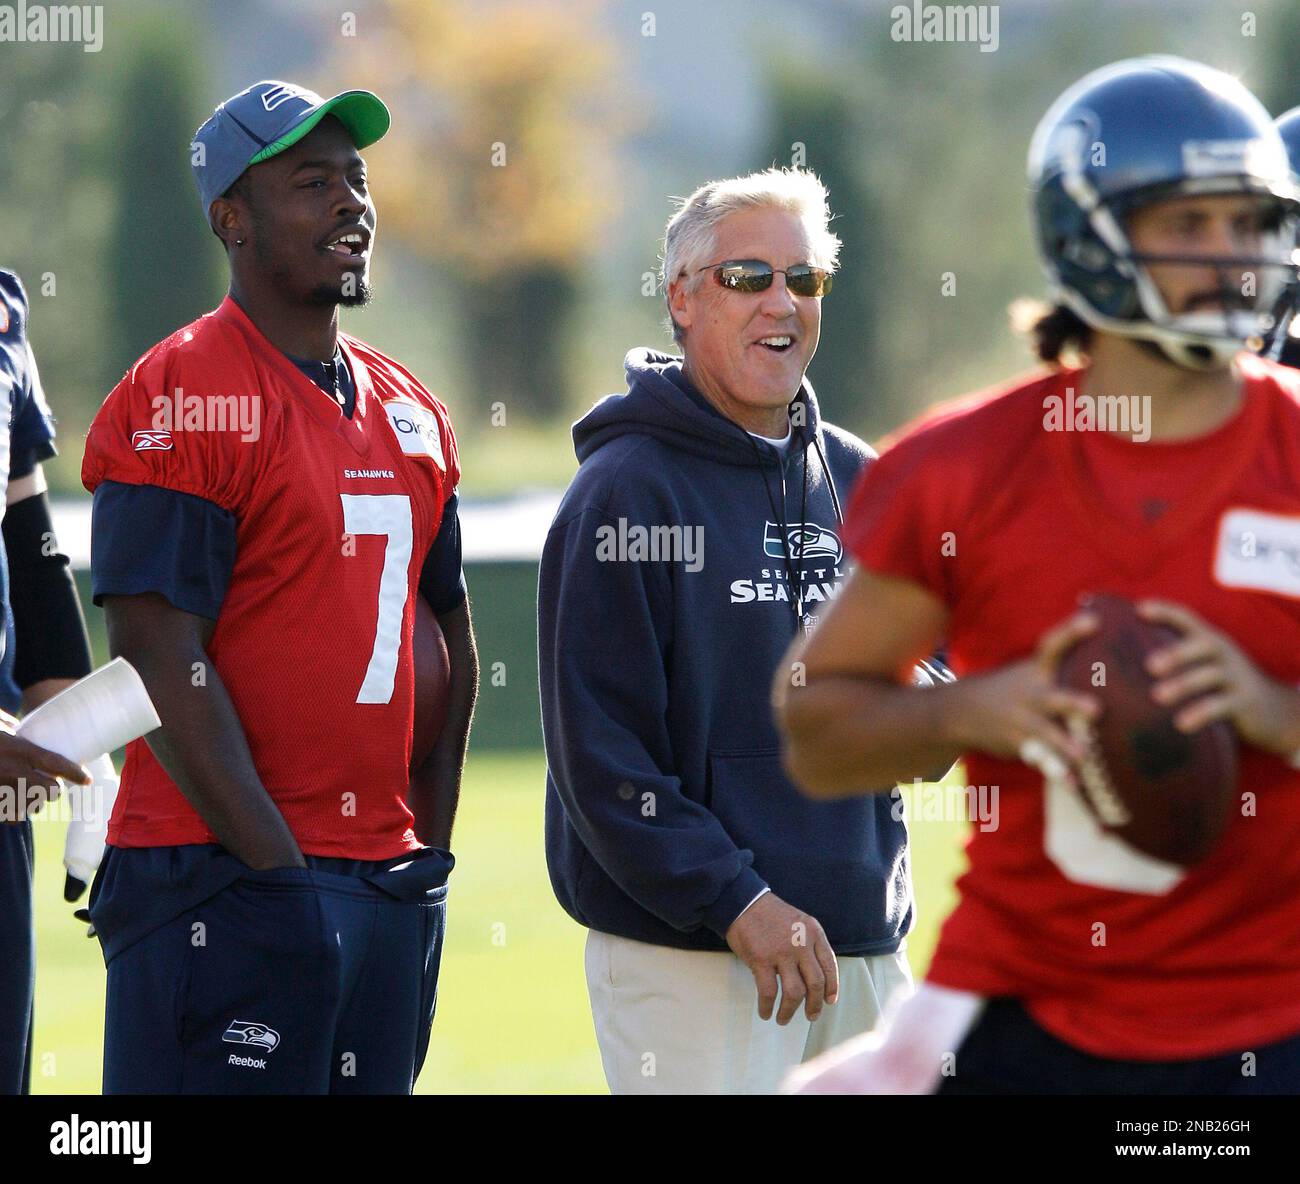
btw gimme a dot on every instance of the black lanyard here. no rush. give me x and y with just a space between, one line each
793 575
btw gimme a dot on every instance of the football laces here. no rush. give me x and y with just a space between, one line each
1094 778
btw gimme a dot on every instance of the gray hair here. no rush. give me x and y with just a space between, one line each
690 238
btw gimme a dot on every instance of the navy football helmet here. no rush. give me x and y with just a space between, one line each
1288 127
1142 131
1283 346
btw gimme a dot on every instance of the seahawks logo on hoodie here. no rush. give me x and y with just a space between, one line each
806 540
817 552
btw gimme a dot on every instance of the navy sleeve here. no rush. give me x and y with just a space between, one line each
32 436
442 579
604 642
31 426
23 464
50 632
147 539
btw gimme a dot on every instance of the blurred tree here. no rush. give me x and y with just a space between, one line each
164 265
499 168
923 148
1278 31
817 121
57 201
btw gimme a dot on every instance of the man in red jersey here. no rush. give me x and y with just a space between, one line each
270 496
1166 469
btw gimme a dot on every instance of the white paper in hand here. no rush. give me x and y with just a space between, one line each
93 717
97 714
88 827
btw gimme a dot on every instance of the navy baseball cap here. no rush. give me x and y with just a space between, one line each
266 119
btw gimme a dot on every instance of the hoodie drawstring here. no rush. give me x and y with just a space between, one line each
793 574
830 481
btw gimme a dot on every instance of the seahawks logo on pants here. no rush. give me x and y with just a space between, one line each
806 540
248 1032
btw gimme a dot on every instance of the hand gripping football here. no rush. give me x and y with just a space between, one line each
1164 792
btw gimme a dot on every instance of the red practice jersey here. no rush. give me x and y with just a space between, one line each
1009 524
334 517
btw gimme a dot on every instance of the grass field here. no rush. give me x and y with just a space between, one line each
512 1006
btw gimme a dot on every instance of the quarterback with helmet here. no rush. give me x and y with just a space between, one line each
1165 216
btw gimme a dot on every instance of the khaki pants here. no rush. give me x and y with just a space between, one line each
686 1021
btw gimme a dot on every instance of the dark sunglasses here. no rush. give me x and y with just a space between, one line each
753 275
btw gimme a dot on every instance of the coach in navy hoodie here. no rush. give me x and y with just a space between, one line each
689 549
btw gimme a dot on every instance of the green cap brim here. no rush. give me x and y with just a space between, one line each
363 114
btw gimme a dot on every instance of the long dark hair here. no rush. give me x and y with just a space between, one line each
1057 334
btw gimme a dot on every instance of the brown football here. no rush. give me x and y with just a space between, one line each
432 682
1162 791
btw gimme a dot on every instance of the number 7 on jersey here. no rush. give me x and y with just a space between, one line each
387 514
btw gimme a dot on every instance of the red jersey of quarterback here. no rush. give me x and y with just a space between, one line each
334 517
1008 523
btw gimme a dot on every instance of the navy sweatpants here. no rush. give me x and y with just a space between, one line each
1006 1052
17 957
294 981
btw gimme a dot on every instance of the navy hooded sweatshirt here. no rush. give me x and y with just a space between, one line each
667 808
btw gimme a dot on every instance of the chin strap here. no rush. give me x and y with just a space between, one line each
1198 353
1192 356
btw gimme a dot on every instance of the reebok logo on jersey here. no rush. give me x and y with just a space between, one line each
417 431
1258 550
251 1032
151 441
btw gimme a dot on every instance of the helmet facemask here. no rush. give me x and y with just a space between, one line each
1255 293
